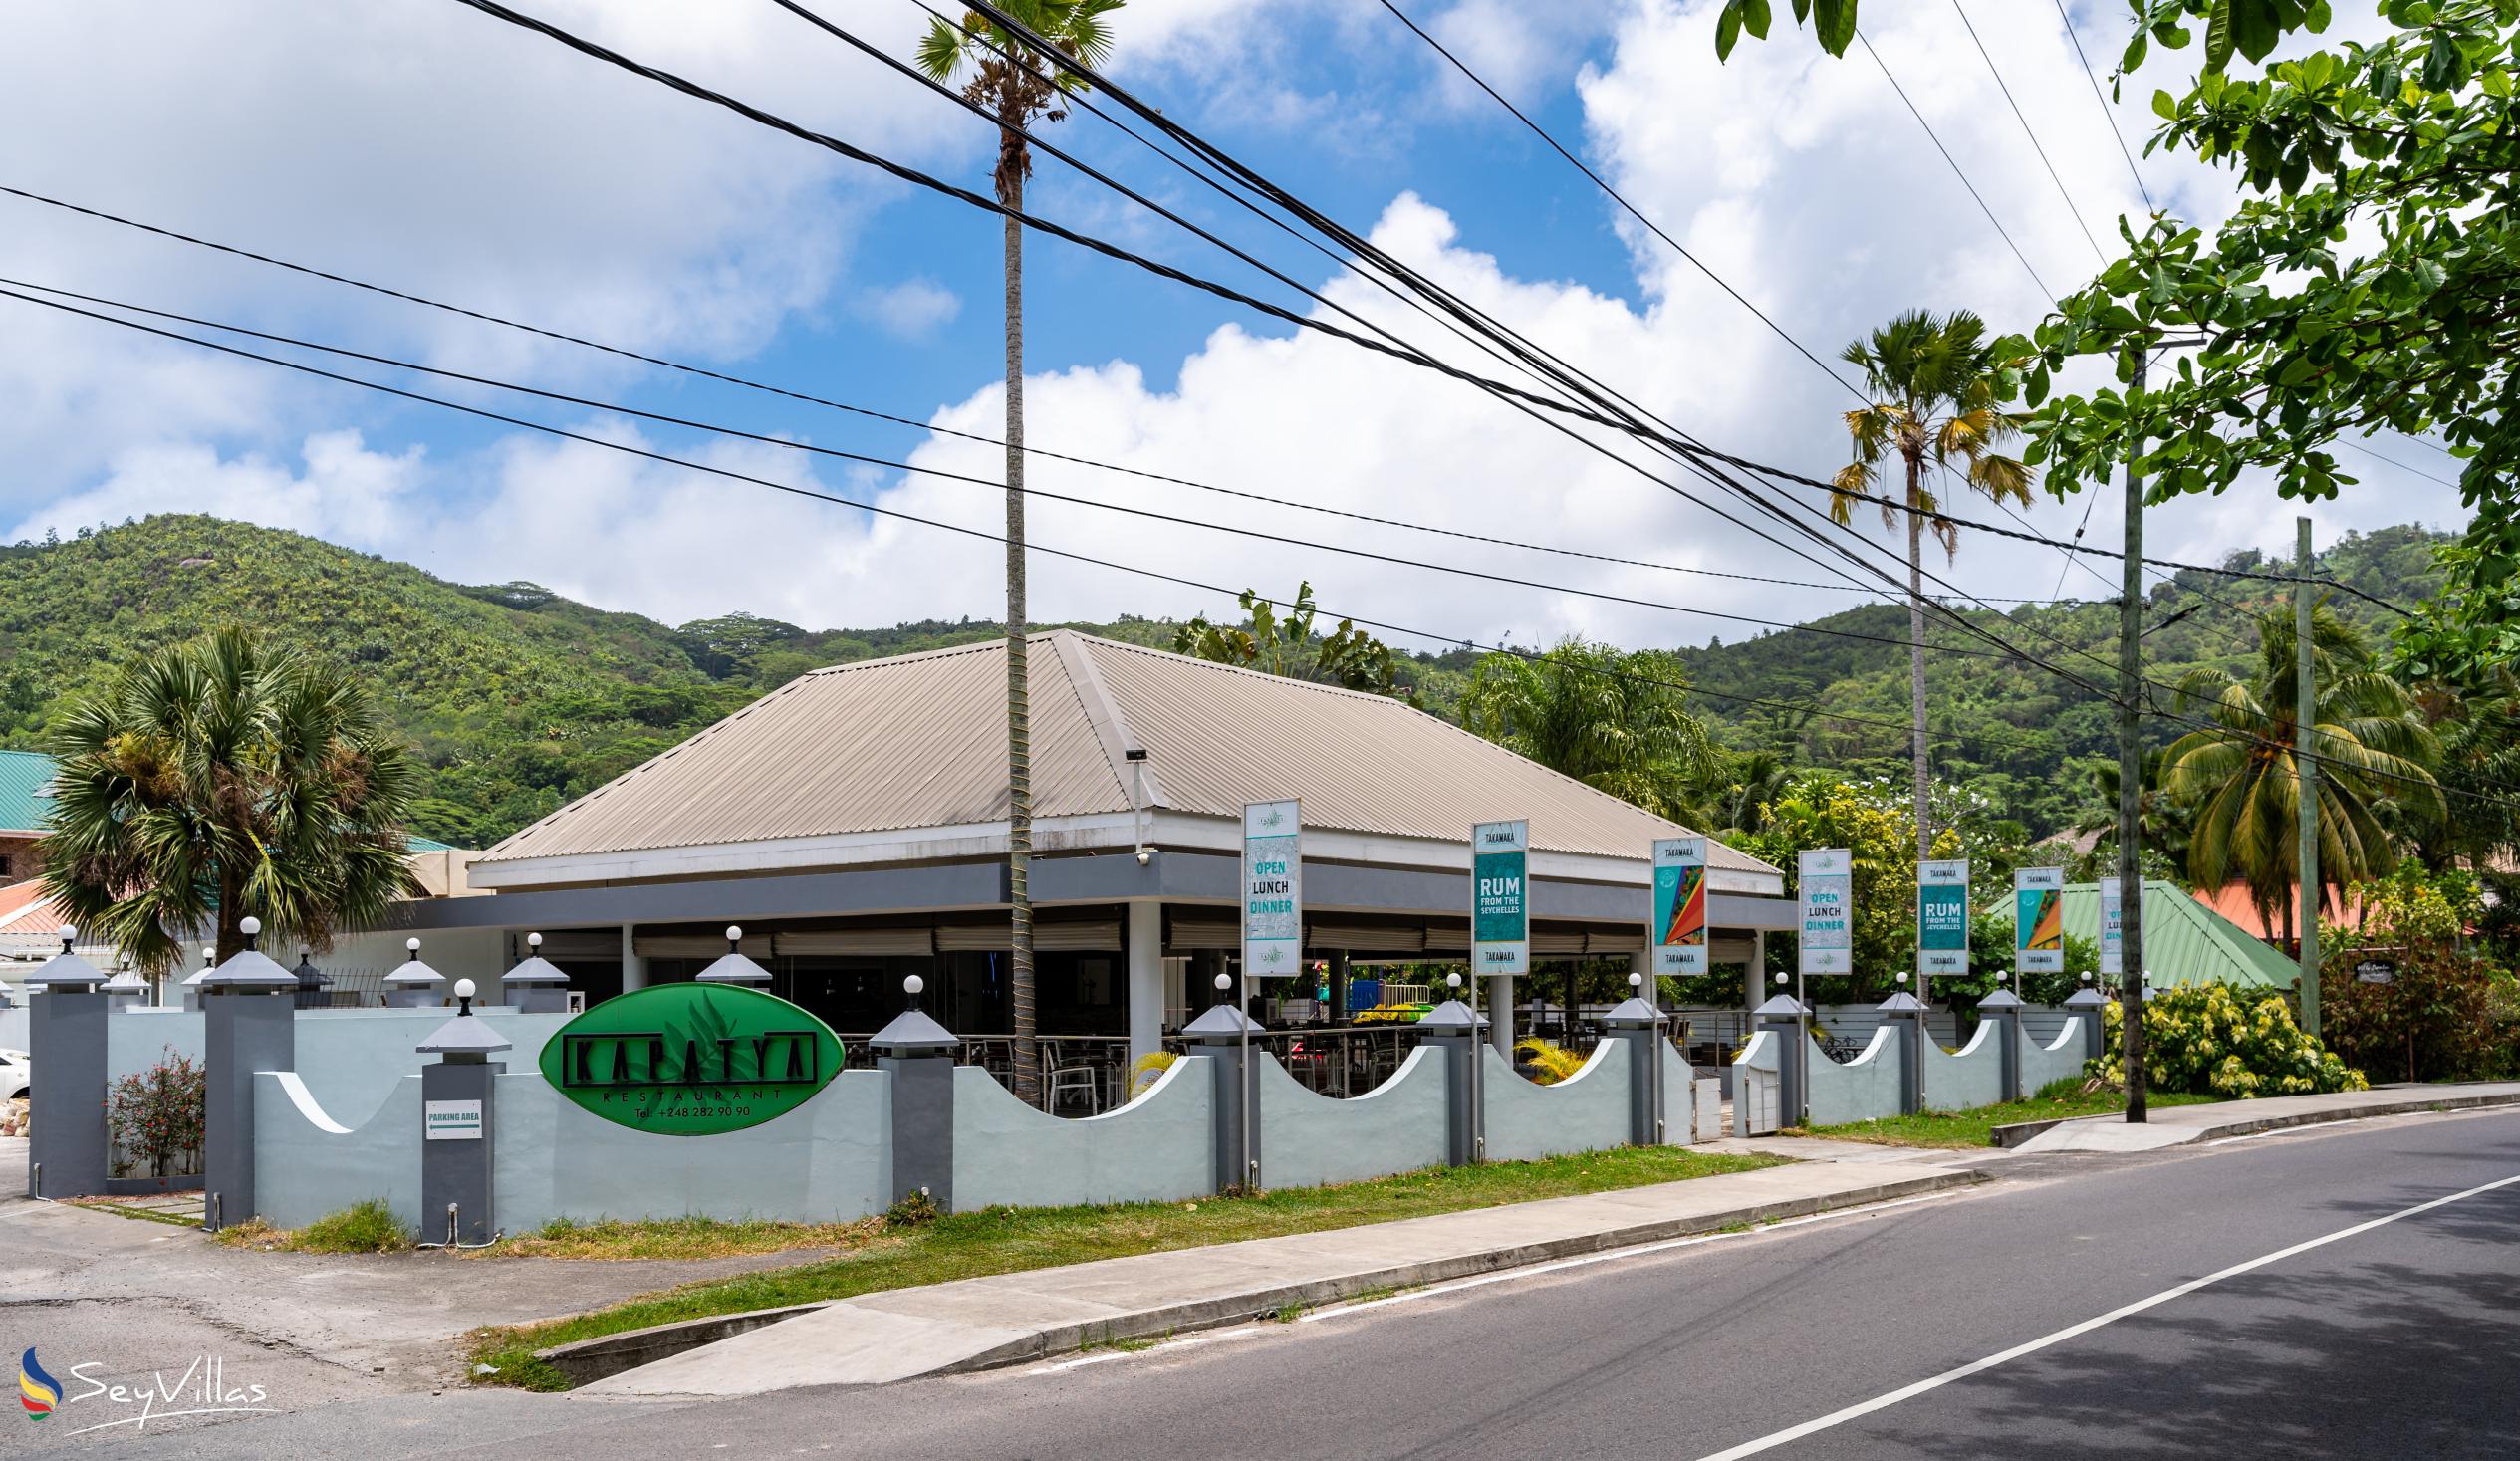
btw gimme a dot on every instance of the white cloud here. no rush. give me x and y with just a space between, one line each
913 308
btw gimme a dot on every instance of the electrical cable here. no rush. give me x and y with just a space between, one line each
2002 86
1955 166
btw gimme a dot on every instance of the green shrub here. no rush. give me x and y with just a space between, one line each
156 1116
368 1227
2207 1039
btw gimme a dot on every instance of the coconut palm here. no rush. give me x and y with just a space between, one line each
1614 720
1018 84
2242 780
219 779
1934 406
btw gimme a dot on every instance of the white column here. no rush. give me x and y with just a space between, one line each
1755 983
1500 1013
634 968
1145 979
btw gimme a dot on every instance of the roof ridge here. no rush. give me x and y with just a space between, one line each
1105 718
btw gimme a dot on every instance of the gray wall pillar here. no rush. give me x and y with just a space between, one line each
1452 1032
1639 1027
1235 1165
458 1200
918 1055
1908 1035
66 1040
241 1034
2003 1007
2089 1005
1793 1046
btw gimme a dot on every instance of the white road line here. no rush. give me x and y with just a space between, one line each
1907 1393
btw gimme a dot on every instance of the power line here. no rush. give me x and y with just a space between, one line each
863 458
1615 196
1955 166
2108 114
2001 85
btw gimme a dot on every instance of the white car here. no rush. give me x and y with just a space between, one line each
17 1073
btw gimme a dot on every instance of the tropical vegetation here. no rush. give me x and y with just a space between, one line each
220 779
2209 1039
1933 386
1615 720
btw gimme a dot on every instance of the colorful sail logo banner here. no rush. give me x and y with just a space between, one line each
1500 911
1272 889
1680 905
2112 929
1827 880
1943 917
2038 920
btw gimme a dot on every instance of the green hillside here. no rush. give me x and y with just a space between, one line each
519 699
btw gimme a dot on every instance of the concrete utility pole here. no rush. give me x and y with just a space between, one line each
2131 765
2305 733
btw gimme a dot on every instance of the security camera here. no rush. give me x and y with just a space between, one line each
1145 855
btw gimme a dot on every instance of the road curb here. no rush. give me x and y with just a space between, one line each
2084 1133
597 1359
2357 1113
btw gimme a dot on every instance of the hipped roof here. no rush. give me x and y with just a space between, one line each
919 741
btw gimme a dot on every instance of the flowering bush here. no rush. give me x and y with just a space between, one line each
2209 1040
157 1114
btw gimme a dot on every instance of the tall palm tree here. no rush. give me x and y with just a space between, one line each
220 779
1614 720
1933 406
1018 84
2243 780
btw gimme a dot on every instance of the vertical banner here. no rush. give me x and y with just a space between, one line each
2038 920
1942 918
1272 889
2112 932
1827 880
1680 905
1500 916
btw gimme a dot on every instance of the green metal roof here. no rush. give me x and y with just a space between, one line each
2184 941
23 776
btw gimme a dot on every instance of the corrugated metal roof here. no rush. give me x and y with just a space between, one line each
919 741
23 775
2184 941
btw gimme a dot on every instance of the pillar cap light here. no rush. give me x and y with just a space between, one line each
914 985
734 933
533 940
412 946
1635 980
1224 980
1452 980
465 989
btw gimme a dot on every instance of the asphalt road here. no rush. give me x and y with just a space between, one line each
2397 1340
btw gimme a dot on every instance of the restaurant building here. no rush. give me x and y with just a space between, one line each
854 824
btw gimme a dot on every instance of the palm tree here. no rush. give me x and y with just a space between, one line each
1018 84
1932 384
2160 823
1615 721
220 779
2242 780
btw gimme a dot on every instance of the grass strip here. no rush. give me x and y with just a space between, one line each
1963 1131
877 1255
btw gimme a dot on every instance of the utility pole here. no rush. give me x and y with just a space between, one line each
2305 760
2130 763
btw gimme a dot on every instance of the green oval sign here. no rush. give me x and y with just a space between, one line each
693 1059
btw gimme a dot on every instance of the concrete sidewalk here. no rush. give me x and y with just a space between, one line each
2183 1126
977 1323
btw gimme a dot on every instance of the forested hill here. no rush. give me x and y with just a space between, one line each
520 699
2005 723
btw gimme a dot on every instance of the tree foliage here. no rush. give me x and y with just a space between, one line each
1287 645
220 779
1615 720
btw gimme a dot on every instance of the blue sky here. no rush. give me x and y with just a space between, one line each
425 147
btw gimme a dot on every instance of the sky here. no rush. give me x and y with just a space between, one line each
422 146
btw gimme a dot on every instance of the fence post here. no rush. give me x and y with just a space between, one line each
1455 1032
249 1011
2088 1005
459 1120
64 1030
1783 1017
413 985
919 1053
535 986
1908 1015
1218 1035
1640 1026
732 967
2004 1008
